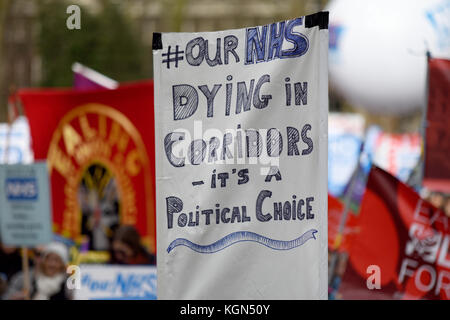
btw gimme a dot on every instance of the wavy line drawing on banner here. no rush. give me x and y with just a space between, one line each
241 236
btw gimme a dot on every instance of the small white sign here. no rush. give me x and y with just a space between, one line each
116 282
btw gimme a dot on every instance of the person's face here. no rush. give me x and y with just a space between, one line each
121 251
52 264
7 249
447 208
38 255
437 200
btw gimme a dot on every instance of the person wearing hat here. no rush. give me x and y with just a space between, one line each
126 248
47 279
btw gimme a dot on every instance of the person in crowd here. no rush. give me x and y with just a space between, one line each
126 248
437 199
47 278
447 206
37 254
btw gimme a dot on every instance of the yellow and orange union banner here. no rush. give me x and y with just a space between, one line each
100 149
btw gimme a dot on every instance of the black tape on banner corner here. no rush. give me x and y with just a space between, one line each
157 41
317 19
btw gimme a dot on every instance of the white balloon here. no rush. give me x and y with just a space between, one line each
378 51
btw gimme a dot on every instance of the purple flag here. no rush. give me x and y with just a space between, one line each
85 79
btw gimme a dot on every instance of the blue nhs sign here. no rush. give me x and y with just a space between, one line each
21 189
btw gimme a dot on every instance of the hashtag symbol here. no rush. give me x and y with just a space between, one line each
176 58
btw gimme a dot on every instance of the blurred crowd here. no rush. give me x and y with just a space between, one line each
440 201
47 265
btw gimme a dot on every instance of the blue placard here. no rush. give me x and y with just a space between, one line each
25 215
21 189
343 156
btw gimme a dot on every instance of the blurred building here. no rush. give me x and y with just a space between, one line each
20 64
19 61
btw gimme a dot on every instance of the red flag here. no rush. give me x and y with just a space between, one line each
437 148
99 145
403 235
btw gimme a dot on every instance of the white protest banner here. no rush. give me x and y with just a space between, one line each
25 216
241 161
115 282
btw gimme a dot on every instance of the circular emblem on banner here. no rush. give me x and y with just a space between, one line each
99 159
